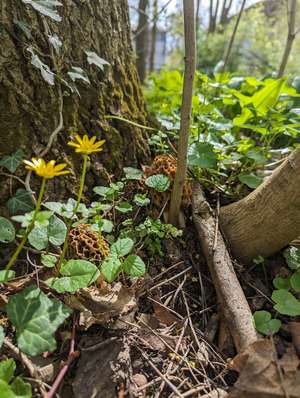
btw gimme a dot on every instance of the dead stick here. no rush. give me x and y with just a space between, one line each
230 294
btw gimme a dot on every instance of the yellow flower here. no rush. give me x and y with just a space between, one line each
85 145
46 170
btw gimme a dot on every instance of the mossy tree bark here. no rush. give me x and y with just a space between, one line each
29 107
269 218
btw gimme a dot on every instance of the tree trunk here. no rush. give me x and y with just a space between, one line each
141 40
224 18
269 218
30 107
153 37
290 37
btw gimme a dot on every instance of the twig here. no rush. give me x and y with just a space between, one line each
170 279
171 385
72 355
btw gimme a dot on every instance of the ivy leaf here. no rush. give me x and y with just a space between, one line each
159 182
132 173
48 260
36 318
286 303
38 237
77 73
46 7
21 202
57 231
134 266
295 281
124 207
122 247
12 162
94 59
103 225
141 199
7 369
7 231
2 335
55 42
24 27
46 72
76 274
292 257
110 268
265 324
251 180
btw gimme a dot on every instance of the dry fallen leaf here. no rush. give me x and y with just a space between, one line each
259 376
103 307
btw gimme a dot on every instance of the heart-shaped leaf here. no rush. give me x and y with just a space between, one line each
57 231
292 257
110 268
265 324
75 274
122 247
286 303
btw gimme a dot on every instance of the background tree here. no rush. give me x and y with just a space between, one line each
141 39
32 109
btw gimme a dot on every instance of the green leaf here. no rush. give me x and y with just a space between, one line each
159 182
265 324
57 231
2 335
55 41
38 238
133 174
104 226
286 303
292 257
21 202
12 162
134 266
141 199
7 370
20 388
46 72
6 275
46 7
124 207
94 59
251 180
281 283
7 231
76 274
110 268
36 318
201 154
122 247
24 27
77 73
267 97
48 260
295 281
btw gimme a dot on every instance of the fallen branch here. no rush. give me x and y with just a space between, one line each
230 294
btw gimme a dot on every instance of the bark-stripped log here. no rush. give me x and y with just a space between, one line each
230 294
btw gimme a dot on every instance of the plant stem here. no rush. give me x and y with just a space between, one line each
69 223
30 227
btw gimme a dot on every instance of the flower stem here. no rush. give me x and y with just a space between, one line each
30 227
69 223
